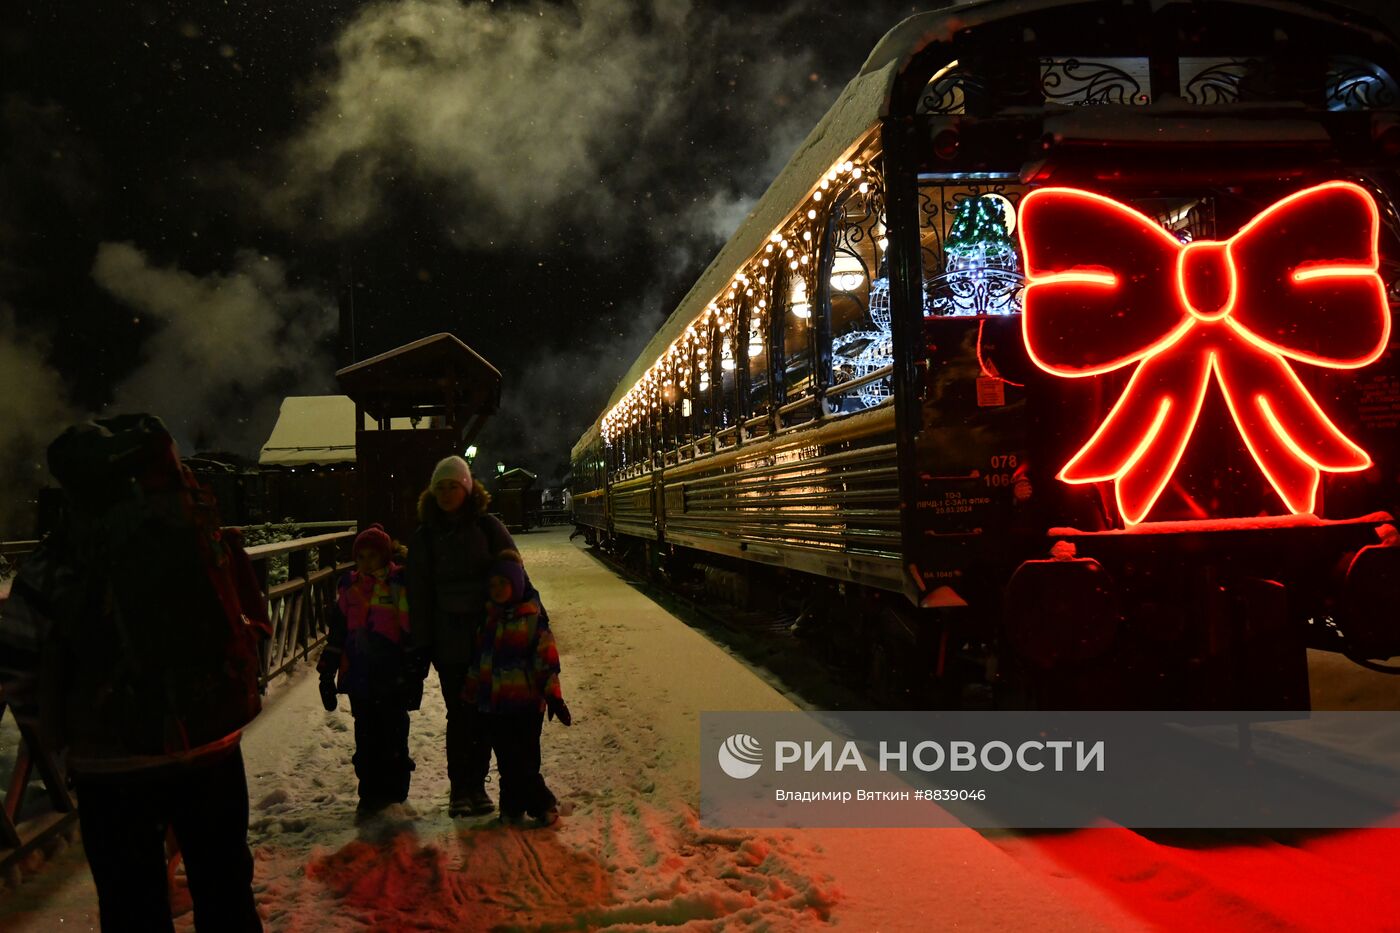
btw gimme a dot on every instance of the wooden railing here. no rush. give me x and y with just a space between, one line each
299 607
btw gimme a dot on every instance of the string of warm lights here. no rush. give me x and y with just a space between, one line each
793 246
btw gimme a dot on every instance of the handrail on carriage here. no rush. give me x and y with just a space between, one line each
841 388
807 398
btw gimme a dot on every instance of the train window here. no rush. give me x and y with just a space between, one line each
685 397
727 351
859 305
756 350
633 442
1350 83
678 429
656 420
663 436
971 259
794 303
705 381
1357 84
1074 81
638 446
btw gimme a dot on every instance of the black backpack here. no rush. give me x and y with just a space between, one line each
162 625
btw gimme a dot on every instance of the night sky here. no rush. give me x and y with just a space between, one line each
182 183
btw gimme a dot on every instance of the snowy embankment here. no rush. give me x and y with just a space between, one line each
629 853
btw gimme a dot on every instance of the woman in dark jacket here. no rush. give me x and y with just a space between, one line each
449 561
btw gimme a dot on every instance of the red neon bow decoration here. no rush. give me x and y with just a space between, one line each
1109 287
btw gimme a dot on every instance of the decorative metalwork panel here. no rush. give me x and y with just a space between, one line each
861 341
1356 84
970 292
959 281
1209 81
1078 82
946 91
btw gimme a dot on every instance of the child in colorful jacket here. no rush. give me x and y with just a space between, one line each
367 657
514 680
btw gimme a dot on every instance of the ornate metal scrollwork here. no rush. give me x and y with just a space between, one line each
1210 81
1356 84
1076 82
986 291
859 283
946 91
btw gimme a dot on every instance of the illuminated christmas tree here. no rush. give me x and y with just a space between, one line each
981 274
979 230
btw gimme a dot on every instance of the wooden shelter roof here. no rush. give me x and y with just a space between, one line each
437 375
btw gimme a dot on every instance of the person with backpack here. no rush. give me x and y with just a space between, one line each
449 559
368 656
130 641
513 680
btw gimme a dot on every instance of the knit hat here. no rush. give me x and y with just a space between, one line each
374 538
453 468
509 565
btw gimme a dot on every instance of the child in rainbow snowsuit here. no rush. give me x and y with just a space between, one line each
514 680
367 657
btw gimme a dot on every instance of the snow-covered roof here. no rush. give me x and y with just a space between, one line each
846 124
434 375
315 429
588 437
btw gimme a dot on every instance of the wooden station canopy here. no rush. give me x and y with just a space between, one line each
435 376
447 388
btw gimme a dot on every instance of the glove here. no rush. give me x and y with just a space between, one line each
328 698
328 662
558 709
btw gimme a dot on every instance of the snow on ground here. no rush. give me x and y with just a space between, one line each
1243 880
629 853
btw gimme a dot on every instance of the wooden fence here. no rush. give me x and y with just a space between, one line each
300 606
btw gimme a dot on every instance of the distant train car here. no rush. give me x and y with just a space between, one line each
516 500
1060 355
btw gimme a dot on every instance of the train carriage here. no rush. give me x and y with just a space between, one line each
1059 354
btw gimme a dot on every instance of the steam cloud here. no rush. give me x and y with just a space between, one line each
553 398
535 122
227 349
33 410
531 118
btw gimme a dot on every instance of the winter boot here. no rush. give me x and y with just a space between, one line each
473 802
369 808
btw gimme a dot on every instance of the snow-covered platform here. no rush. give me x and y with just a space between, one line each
629 853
